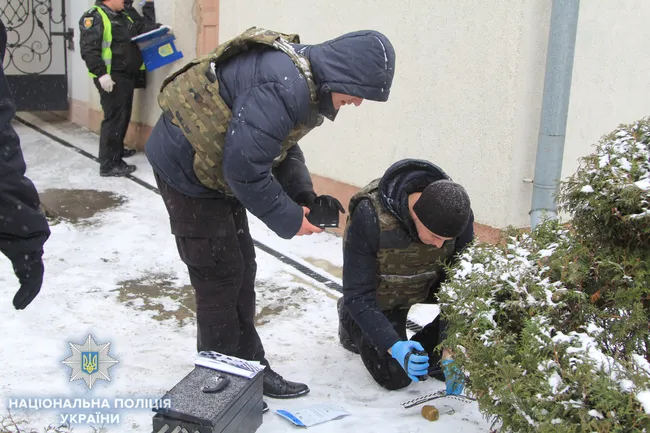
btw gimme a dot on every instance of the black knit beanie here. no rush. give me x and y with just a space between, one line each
443 208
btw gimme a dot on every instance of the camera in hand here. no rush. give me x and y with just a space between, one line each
323 214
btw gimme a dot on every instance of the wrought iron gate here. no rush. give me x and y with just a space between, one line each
36 57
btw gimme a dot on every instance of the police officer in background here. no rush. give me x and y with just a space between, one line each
23 227
115 63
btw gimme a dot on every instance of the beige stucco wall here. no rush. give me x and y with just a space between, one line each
464 95
611 81
78 80
468 88
177 14
467 92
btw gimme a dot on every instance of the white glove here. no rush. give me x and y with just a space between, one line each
107 83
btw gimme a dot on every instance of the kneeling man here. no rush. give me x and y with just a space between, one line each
401 229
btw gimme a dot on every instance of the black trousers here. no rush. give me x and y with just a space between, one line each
214 241
117 106
385 370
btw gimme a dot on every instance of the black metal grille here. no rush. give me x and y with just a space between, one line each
29 34
36 65
15 13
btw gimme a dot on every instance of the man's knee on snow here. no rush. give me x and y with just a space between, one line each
384 369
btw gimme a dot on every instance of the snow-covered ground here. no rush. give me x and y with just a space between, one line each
118 277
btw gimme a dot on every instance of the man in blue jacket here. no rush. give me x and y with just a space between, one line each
227 142
23 227
401 229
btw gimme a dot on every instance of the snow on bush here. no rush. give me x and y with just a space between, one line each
610 191
552 328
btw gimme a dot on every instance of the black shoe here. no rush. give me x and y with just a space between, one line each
344 335
346 341
275 386
265 407
128 153
118 170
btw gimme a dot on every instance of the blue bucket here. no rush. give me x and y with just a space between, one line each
157 48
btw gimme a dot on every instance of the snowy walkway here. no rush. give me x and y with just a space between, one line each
118 277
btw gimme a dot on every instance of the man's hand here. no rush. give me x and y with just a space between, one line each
107 83
417 365
29 269
307 228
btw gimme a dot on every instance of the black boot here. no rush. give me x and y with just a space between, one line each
346 341
265 407
128 152
275 386
118 170
344 335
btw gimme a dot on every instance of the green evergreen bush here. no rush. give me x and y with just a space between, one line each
553 327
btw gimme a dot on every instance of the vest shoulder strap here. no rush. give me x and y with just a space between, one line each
367 192
245 42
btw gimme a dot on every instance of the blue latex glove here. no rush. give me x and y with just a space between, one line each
418 365
454 378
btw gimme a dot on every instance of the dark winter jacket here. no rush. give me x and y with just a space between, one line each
127 58
268 97
141 80
362 244
23 227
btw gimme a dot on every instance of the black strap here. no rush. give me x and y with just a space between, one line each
406 361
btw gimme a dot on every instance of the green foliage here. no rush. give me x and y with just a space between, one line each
552 327
610 192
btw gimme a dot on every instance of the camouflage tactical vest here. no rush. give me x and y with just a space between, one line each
407 269
190 99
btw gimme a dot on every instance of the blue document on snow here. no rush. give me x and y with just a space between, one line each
312 415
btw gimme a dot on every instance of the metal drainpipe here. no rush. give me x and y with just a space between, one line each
555 108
